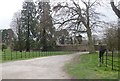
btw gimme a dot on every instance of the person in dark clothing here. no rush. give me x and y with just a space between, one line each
102 50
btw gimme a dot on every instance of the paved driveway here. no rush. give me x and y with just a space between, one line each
39 68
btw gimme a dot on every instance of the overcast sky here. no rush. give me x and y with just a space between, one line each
9 7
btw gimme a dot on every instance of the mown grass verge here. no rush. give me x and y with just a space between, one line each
86 67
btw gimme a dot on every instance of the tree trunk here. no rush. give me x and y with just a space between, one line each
28 37
19 36
28 42
44 40
89 33
117 12
90 41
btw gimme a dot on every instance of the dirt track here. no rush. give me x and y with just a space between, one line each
39 68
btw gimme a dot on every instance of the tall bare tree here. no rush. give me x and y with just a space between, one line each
111 36
117 12
85 18
16 25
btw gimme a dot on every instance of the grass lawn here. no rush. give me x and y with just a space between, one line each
86 67
16 55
